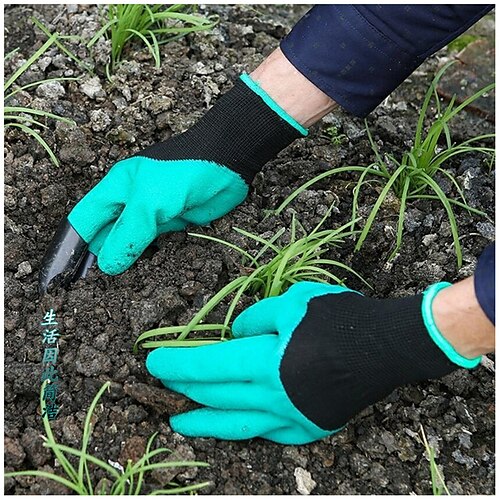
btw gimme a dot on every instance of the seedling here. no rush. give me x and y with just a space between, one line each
413 176
297 260
152 24
28 119
336 138
78 478
438 484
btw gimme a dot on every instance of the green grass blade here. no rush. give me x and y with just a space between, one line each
234 303
78 453
276 236
213 302
401 217
23 119
380 161
153 344
376 207
87 430
48 475
450 200
38 112
101 32
266 243
171 330
147 43
60 45
345 267
471 99
356 190
318 178
181 489
39 82
65 464
226 243
39 139
10 54
29 62
451 216
425 105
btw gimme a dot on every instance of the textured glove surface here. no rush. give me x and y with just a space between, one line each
192 178
302 364
239 380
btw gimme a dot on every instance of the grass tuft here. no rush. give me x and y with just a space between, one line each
298 259
413 175
28 120
153 25
129 481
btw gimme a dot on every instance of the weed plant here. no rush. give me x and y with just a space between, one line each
438 485
25 118
129 481
153 24
412 176
302 258
334 136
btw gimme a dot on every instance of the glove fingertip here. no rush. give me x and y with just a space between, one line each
154 362
110 265
180 424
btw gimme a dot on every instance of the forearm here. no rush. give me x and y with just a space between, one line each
300 98
461 320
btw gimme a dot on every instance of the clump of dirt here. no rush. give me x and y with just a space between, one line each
101 316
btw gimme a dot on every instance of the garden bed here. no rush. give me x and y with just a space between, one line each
100 317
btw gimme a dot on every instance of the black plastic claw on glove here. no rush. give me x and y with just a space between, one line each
67 259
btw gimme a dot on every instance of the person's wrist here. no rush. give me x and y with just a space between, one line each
299 97
457 323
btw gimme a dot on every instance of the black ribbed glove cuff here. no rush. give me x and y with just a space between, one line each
240 132
351 351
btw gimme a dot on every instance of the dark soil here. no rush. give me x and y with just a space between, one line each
100 317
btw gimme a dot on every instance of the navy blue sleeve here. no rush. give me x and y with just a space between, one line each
358 54
484 282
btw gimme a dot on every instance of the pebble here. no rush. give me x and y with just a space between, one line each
429 238
44 62
388 440
486 229
465 441
50 90
460 458
100 120
305 482
92 88
23 269
200 68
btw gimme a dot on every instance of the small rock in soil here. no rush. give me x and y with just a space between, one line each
23 269
50 90
93 88
90 362
305 482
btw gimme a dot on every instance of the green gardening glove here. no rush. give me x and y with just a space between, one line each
192 178
304 363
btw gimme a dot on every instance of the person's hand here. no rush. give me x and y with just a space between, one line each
304 363
192 178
